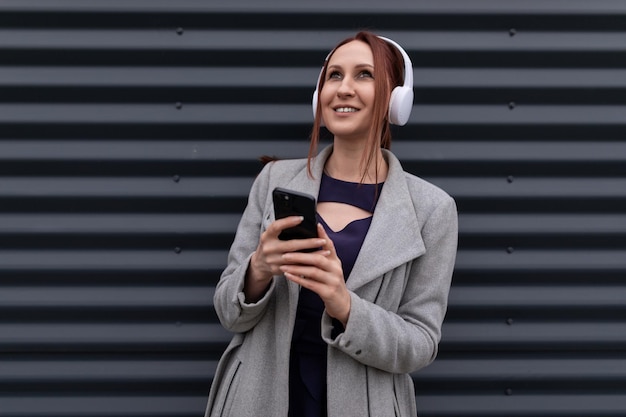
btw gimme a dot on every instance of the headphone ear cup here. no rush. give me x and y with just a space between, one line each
400 105
314 102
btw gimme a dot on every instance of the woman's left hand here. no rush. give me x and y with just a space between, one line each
321 273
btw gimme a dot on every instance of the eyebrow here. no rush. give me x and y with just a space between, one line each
335 66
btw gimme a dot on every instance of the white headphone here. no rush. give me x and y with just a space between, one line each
401 99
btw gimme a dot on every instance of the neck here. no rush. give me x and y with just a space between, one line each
345 163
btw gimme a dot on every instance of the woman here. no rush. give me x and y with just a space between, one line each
337 331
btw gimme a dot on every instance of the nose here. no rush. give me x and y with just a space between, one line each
346 88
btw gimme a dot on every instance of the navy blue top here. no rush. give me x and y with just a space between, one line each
308 363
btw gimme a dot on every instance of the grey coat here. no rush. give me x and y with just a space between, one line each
399 288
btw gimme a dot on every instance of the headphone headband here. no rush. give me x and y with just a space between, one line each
408 65
401 99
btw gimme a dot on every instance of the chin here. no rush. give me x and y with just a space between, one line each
345 130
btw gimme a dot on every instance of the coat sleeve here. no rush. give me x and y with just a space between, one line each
229 300
406 340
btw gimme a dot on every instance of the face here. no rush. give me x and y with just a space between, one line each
347 97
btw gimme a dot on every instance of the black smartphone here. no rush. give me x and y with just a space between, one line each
292 203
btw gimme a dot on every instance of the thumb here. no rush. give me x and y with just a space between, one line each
329 245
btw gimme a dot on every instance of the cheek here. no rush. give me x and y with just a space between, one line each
325 98
326 95
369 95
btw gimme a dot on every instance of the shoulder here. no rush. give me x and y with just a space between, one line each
282 167
274 174
288 165
432 204
423 190
429 200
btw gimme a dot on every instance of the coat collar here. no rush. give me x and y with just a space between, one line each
394 235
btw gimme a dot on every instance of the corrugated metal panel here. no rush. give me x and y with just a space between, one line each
129 132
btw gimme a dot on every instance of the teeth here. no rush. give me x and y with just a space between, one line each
346 110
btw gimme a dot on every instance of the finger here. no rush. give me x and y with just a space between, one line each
312 245
303 281
301 271
281 224
333 263
316 258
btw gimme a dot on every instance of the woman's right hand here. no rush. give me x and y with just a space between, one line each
268 257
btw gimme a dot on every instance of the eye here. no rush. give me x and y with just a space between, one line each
334 75
365 74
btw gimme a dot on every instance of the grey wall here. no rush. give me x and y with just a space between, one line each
129 133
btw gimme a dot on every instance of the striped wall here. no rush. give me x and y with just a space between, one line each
129 132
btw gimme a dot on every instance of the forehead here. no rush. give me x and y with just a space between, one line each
352 53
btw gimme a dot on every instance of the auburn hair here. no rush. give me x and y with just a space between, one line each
388 73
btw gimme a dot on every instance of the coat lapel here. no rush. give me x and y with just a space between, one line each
394 236
303 183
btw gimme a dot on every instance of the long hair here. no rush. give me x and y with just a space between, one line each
389 73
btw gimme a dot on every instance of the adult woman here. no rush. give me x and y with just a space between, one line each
336 331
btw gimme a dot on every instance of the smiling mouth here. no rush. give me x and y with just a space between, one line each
346 110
